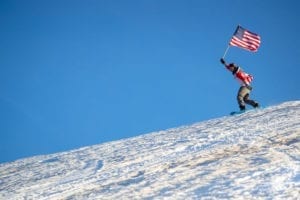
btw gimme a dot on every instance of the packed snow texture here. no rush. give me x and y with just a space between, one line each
252 155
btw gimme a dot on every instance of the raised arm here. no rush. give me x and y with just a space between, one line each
224 63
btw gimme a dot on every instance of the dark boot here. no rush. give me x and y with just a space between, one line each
256 105
242 108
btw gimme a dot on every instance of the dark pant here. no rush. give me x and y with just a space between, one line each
243 97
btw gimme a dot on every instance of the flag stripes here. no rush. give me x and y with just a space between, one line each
245 39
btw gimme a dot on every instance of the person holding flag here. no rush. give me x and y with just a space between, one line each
243 96
248 40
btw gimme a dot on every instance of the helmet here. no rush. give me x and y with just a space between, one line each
234 68
232 65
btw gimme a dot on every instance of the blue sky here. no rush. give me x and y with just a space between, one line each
81 72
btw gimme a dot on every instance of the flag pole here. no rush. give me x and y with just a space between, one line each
226 51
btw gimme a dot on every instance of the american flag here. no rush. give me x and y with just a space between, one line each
245 39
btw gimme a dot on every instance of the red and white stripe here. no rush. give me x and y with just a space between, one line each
245 39
244 78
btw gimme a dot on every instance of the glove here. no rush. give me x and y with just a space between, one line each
222 61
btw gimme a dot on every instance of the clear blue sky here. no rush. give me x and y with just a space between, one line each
80 72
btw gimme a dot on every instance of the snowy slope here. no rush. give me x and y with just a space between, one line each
253 155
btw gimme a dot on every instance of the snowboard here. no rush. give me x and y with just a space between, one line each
237 112
244 111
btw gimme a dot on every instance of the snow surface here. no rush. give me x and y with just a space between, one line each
252 155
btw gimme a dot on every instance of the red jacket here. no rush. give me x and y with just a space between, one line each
244 78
